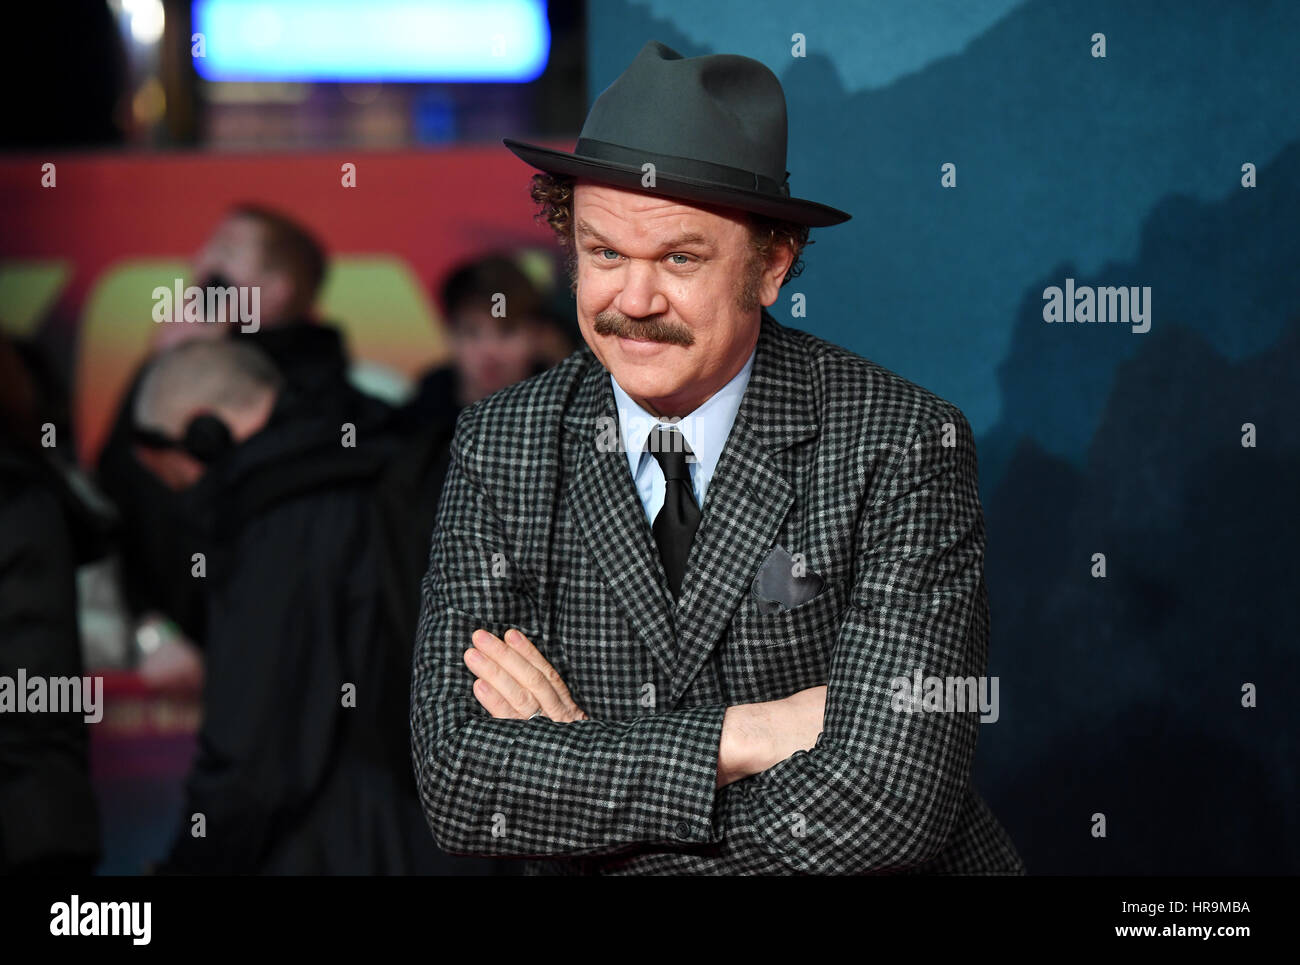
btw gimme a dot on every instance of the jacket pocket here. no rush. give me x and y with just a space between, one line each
768 656
800 624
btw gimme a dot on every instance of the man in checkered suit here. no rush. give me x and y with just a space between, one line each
675 581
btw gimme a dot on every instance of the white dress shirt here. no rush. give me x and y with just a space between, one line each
705 430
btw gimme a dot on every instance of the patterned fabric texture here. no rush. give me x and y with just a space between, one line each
867 479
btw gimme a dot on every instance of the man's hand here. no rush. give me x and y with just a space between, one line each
758 736
515 681
172 664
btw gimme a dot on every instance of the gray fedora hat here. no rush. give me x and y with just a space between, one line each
714 127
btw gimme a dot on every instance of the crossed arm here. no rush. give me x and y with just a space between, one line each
515 682
753 784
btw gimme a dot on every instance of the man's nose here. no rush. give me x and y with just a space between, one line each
640 296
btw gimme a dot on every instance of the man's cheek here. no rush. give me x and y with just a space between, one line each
590 302
585 293
597 288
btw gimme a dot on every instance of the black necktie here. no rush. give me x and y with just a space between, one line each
674 527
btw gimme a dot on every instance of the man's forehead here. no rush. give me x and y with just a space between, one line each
238 228
601 211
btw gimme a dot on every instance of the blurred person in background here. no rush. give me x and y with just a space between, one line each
255 247
252 247
302 765
494 316
503 330
51 521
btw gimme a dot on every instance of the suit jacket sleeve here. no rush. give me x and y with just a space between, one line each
883 788
513 787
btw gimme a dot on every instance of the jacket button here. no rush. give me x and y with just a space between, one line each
683 830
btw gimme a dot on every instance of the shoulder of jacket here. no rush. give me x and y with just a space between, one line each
529 406
889 400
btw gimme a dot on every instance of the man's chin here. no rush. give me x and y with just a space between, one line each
644 382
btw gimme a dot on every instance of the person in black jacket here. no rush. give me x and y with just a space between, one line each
252 247
49 821
302 765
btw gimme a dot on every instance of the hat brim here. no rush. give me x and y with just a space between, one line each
809 213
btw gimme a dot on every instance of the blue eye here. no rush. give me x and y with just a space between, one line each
685 259
609 251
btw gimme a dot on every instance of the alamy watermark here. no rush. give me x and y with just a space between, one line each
129 919
23 694
1085 304
231 304
946 695
610 439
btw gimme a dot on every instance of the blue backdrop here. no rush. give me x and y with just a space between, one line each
1119 695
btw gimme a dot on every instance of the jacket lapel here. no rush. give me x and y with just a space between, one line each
747 500
607 512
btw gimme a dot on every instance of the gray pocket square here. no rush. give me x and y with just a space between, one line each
777 587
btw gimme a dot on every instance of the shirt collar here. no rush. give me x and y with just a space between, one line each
705 430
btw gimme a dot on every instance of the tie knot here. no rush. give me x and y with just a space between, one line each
668 446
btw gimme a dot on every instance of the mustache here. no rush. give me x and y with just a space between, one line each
654 328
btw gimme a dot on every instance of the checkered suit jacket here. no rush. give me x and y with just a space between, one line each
539 527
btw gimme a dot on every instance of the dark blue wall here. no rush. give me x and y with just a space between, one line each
1119 695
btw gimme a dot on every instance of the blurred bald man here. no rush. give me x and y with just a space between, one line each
302 765
252 248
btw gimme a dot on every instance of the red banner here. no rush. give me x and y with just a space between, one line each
88 238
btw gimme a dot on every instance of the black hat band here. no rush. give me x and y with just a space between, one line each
682 167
